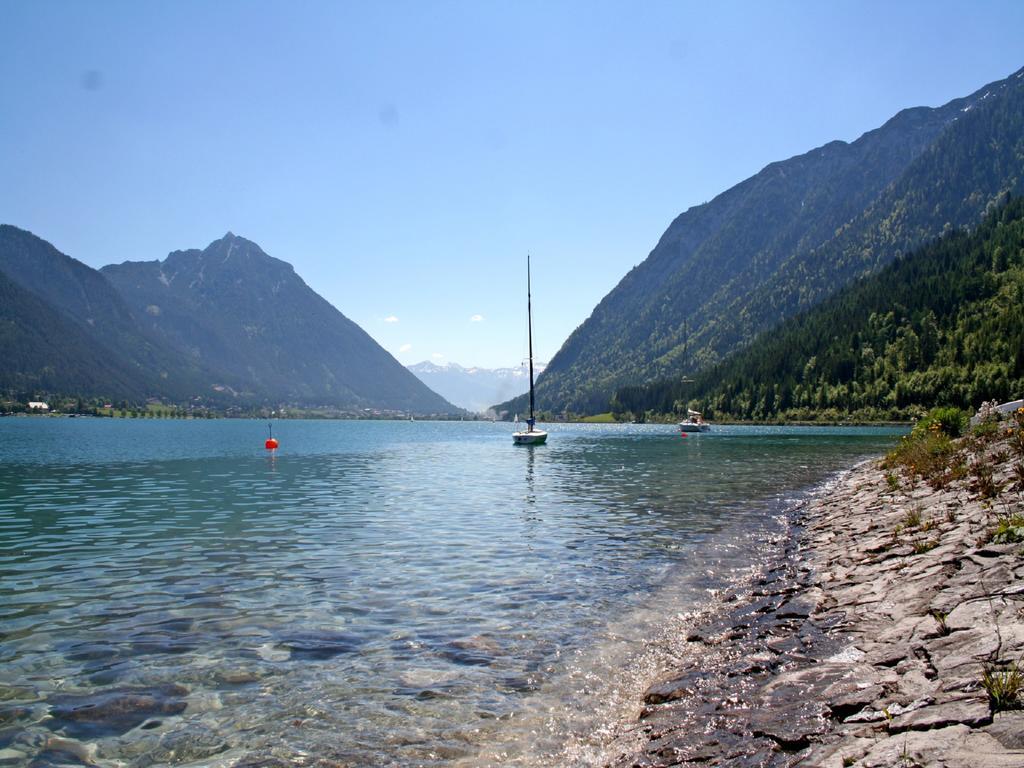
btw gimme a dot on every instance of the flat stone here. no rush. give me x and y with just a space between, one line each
913 683
901 749
979 748
801 606
1008 729
906 630
887 655
790 724
973 712
670 690
850 698
966 647
969 614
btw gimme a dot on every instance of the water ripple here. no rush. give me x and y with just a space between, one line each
385 593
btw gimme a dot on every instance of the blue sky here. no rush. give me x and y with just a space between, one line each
405 156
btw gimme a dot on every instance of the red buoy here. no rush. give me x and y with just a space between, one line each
271 443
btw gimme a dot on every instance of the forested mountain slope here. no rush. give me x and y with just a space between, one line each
941 326
788 237
42 350
76 335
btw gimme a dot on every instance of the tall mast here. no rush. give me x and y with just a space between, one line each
529 326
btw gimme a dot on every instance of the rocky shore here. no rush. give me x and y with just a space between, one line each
890 632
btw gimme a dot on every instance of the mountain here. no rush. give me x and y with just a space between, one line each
234 309
942 326
788 237
474 389
68 330
228 324
42 350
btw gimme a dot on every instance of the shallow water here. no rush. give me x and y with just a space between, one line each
385 593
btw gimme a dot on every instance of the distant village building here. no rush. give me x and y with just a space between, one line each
37 406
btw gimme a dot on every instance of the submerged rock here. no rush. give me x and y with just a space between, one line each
320 645
114 711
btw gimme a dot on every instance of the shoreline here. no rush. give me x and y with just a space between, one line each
864 643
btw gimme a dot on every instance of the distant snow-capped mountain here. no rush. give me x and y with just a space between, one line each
475 389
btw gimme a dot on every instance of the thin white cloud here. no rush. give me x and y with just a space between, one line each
390 319
405 348
437 356
476 319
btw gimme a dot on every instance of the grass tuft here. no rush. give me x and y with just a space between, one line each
925 545
940 619
912 519
1003 686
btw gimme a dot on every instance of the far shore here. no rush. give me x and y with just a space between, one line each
317 416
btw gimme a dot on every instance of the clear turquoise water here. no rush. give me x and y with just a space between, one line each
376 593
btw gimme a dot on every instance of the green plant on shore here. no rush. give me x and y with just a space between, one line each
906 761
912 518
983 480
940 619
925 545
1015 433
892 481
984 433
913 521
1004 686
926 452
907 524
956 469
948 421
1009 529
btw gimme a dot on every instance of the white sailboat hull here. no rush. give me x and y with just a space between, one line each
536 437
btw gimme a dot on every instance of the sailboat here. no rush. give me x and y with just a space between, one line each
531 436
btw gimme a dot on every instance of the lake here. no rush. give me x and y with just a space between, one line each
372 593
